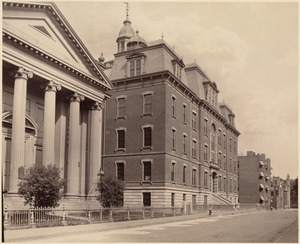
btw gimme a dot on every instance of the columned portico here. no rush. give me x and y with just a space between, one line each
95 143
49 122
41 126
18 126
73 180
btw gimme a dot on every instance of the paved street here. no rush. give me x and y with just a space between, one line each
272 226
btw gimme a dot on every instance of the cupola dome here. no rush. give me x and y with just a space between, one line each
136 42
126 30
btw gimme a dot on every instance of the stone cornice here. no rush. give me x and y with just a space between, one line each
57 16
143 49
34 50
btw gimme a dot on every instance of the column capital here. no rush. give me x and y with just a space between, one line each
22 73
97 106
75 97
51 86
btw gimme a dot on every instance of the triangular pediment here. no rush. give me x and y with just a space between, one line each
136 55
47 31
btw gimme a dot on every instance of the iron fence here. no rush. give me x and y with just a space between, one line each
50 217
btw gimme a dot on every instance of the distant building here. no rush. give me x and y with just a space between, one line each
166 135
53 92
254 179
281 193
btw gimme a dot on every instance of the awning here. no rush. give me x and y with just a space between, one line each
261 174
262 198
261 163
261 186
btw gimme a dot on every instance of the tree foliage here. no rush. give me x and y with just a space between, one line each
110 192
42 186
294 192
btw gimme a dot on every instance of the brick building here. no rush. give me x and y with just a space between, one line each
281 193
254 179
166 135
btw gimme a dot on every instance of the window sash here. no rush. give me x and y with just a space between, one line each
147 137
184 114
147 170
173 139
131 68
205 152
121 107
147 199
194 177
194 149
148 104
173 172
184 144
173 107
120 171
121 139
172 199
194 121
205 127
138 67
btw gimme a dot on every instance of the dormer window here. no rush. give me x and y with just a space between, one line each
135 67
211 93
177 70
135 64
177 67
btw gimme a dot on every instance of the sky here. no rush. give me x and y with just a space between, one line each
249 49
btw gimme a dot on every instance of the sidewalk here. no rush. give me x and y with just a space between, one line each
40 233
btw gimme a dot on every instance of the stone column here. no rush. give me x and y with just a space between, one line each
49 122
95 144
18 126
74 145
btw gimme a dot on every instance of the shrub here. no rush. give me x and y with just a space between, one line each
42 186
110 192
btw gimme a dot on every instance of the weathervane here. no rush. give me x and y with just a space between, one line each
127 9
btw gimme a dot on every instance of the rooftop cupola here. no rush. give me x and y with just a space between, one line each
136 42
125 33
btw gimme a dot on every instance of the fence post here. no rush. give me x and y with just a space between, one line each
164 213
64 222
6 221
32 223
184 208
110 215
128 213
101 216
89 214
143 213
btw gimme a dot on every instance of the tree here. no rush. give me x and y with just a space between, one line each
110 192
42 186
294 193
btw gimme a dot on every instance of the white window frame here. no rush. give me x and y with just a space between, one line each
144 94
117 100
